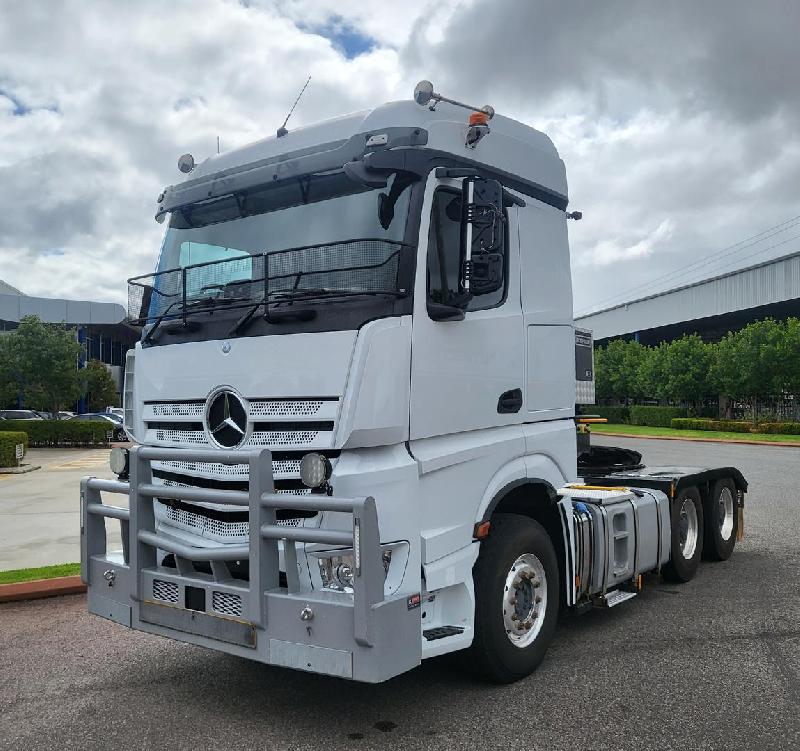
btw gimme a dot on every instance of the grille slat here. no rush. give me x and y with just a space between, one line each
165 591
226 603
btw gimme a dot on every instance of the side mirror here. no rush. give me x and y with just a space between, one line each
482 235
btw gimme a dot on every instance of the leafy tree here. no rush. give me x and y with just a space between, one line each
747 362
45 359
685 371
651 376
100 387
9 382
789 356
616 368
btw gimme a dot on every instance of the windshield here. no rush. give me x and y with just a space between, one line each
319 234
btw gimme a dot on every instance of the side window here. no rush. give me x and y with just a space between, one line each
444 254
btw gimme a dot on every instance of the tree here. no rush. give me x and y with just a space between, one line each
99 386
9 381
616 370
687 362
651 375
45 359
747 363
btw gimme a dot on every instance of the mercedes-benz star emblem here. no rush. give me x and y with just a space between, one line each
226 419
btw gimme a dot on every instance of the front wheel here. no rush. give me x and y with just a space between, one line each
516 599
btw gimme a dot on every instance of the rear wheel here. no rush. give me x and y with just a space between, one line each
516 599
687 536
722 521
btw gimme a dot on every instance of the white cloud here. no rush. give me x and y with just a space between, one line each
676 142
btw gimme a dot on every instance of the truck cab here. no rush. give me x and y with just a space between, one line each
353 401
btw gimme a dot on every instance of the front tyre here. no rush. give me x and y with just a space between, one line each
516 599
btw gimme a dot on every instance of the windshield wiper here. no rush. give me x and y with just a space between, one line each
282 315
191 306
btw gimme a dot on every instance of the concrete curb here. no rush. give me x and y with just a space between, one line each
25 468
784 444
33 590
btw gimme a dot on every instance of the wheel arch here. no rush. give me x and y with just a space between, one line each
534 496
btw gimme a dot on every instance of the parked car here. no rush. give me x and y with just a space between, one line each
115 411
19 414
118 432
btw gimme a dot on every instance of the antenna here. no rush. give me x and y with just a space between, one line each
282 130
217 144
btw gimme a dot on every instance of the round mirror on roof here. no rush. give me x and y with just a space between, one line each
423 92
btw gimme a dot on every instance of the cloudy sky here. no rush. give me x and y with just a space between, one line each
678 121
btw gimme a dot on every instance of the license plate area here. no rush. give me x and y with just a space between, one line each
198 623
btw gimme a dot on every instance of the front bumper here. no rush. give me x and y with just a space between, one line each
367 636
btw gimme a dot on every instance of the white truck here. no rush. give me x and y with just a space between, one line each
353 410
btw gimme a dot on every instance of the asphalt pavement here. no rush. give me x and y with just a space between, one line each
713 665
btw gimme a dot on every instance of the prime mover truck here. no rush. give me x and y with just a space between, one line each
352 411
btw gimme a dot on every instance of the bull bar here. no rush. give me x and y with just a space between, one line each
366 636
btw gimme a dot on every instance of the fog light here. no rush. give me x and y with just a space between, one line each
119 460
315 470
337 569
336 572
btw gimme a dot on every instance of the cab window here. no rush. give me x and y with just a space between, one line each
444 255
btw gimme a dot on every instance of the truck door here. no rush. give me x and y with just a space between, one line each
465 374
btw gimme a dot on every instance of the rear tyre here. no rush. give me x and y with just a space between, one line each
686 521
721 521
516 599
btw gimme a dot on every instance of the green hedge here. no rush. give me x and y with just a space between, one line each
615 415
47 433
782 428
8 446
656 417
726 426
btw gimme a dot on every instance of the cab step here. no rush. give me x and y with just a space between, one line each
442 632
617 597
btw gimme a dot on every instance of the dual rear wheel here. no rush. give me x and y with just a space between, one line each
706 530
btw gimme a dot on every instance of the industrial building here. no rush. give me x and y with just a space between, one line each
710 307
99 325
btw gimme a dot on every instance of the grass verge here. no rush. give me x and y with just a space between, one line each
670 433
41 572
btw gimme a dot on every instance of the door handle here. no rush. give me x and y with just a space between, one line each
509 402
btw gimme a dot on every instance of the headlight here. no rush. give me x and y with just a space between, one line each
337 569
119 459
315 470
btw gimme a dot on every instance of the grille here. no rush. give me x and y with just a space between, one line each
303 408
226 603
181 436
166 591
185 409
200 524
283 437
211 469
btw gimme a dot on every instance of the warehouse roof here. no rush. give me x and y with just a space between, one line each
765 283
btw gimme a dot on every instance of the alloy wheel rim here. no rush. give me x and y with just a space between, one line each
688 528
524 600
726 505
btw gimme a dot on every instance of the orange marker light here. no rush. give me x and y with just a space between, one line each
481 531
478 118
